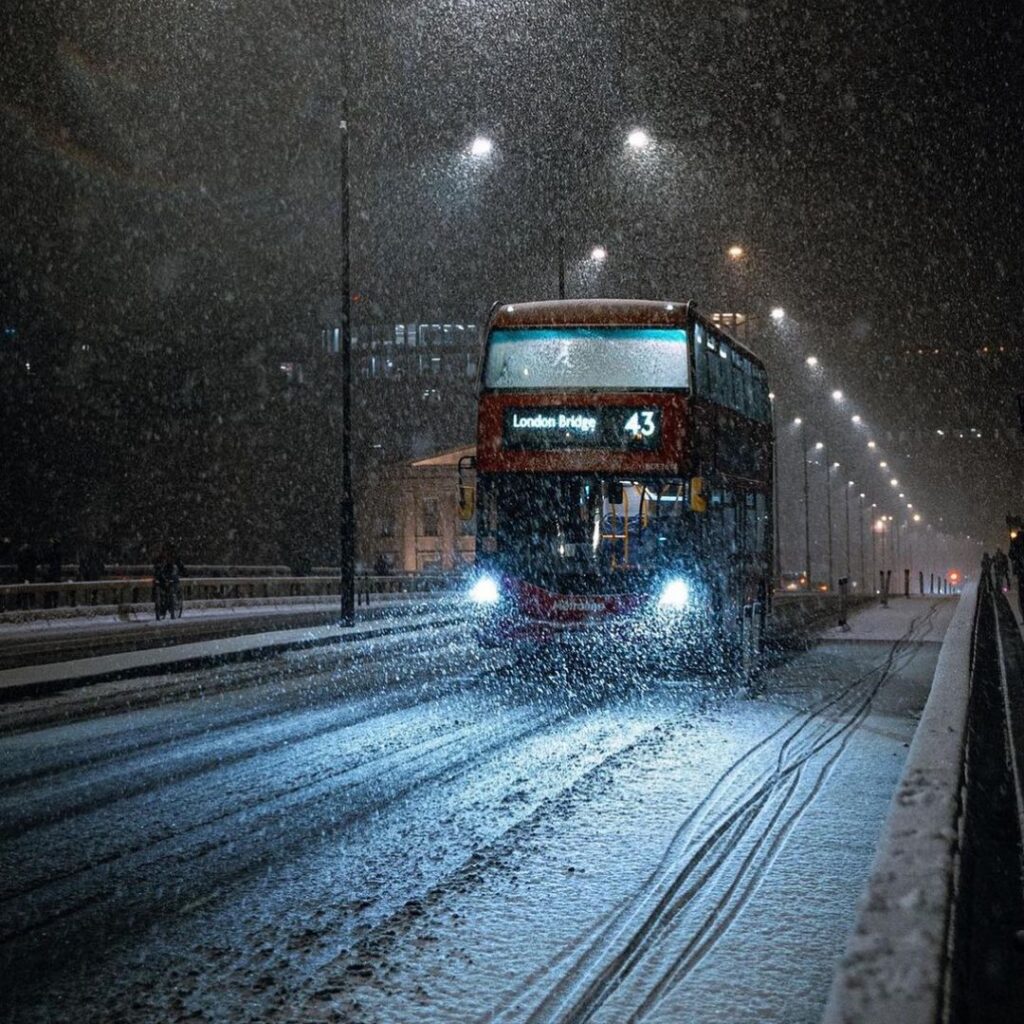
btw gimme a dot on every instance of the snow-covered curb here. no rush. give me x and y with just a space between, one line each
893 968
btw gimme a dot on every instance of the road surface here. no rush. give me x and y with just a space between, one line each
409 828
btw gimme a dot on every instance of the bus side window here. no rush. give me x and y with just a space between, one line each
736 367
723 390
700 355
752 532
761 509
733 384
749 406
712 369
764 404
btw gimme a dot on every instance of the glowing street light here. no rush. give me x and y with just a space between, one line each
797 421
894 482
638 139
599 254
811 361
481 146
837 395
855 420
778 314
736 252
872 445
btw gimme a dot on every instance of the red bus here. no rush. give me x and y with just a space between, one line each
624 477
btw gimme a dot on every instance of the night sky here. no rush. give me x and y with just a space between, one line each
172 167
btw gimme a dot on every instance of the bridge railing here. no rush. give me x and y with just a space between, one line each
139 590
939 929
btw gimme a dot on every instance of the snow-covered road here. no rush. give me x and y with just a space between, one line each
410 829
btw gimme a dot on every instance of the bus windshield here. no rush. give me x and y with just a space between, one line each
567 358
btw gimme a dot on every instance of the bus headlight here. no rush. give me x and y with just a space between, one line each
675 595
485 591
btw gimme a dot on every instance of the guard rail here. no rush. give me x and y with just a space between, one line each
27 597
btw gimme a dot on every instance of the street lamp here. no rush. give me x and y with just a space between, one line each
775 488
599 254
860 530
777 314
820 446
347 517
481 147
848 486
807 505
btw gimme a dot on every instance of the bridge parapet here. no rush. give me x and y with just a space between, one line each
938 931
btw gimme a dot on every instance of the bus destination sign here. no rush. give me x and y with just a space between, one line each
619 428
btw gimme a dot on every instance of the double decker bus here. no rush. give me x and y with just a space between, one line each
623 475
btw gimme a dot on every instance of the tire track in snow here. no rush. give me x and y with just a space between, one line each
179 756
615 952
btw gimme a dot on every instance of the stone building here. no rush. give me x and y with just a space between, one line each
408 517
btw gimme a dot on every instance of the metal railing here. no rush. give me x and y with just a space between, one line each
938 936
139 590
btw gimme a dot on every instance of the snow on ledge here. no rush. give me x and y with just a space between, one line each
894 963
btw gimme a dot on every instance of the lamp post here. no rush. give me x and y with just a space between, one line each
848 486
481 147
861 531
874 547
820 446
347 524
740 258
807 505
775 490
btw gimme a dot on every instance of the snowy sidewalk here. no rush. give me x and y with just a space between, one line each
879 624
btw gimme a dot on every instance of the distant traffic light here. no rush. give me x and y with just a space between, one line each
954 577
